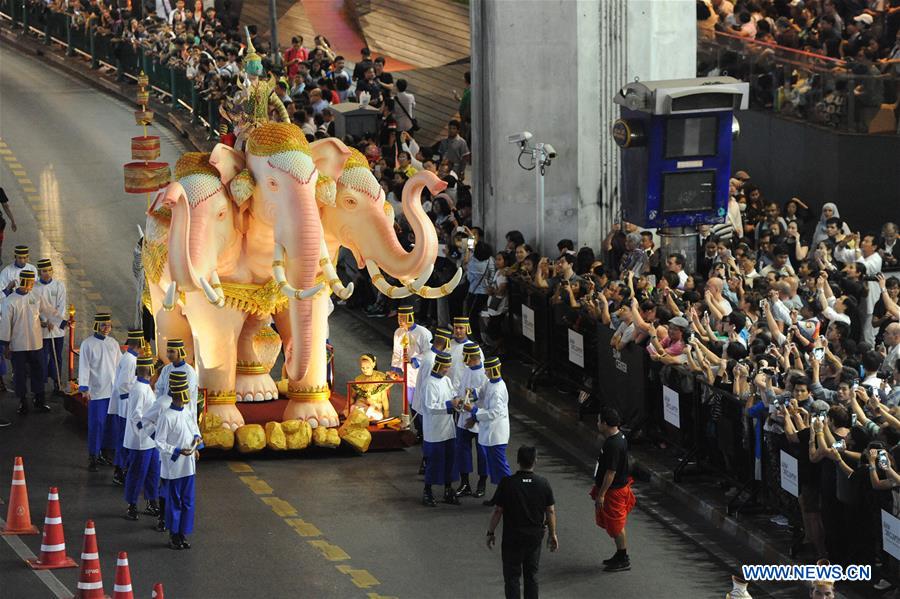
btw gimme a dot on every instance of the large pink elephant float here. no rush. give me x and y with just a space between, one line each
272 220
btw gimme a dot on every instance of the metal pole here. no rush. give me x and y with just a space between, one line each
273 17
538 154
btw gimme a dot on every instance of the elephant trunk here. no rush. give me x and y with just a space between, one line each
301 237
394 259
185 240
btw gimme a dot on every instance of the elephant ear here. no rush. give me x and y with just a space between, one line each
330 155
228 161
241 187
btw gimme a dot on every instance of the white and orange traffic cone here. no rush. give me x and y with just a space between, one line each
122 590
53 543
18 516
90 583
157 591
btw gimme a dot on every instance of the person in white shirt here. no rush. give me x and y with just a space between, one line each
20 339
175 354
438 407
470 382
492 415
9 276
439 344
118 403
415 340
98 359
143 456
54 336
867 253
461 332
178 440
675 263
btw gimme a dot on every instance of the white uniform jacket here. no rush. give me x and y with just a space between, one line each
492 413
98 359
472 378
437 417
55 293
162 384
419 342
11 272
426 363
122 382
459 366
176 430
141 400
20 323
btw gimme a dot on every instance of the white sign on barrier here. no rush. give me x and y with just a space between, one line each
576 348
790 478
890 533
671 407
528 322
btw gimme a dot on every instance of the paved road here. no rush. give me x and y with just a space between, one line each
324 524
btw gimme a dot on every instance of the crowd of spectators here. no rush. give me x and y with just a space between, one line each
858 45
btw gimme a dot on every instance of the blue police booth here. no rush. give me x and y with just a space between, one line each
676 138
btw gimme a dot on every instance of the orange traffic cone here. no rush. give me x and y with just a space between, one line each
53 544
90 583
157 591
122 590
18 516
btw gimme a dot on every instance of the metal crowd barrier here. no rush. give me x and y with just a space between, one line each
104 50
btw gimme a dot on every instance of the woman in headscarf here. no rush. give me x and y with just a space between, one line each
829 210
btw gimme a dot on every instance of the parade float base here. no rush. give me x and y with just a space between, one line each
261 412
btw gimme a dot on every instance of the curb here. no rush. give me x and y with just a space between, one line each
582 436
196 137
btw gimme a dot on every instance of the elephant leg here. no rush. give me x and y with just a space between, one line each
216 333
309 397
258 347
173 325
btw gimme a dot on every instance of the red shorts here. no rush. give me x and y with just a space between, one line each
616 506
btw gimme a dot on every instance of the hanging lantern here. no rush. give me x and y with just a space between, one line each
143 97
145 147
141 177
143 117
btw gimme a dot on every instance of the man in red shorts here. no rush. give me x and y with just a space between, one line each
612 495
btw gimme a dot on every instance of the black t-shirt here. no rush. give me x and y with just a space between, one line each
3 200
524 497
613 456
809 471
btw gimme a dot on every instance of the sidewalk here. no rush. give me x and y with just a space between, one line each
702 495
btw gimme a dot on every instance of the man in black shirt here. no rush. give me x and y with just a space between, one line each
525 503
612 495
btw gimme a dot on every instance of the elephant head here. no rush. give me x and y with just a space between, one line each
280 171
203 236
360 220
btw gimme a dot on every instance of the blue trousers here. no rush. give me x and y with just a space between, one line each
143 474
27 366
121 459
439 462
180 505
497 465
96 424
111 431
463 455
47 359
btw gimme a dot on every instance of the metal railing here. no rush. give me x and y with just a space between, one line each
84 38
846 95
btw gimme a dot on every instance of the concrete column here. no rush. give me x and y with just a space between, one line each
552 67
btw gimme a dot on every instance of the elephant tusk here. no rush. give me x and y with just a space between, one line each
420 281
445 289
331 275
217 286
211 295
168 303
382 285
286 288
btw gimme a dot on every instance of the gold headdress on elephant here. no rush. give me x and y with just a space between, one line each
198 177
286 148
358 176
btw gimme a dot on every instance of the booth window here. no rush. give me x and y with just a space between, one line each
689 191
693 136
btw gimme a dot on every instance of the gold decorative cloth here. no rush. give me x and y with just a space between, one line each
221 398
259 300
143 117
143 177
145 147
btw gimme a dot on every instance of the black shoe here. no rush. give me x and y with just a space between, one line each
479 491
160 526
41 406
428 500
119 477
184 543
422 467
450 498
23 408
152 509
132 513
619 565
92 465
608 561
174 543
102 459
464 491
488 503
4 423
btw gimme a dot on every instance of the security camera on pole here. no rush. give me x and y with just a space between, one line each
541 155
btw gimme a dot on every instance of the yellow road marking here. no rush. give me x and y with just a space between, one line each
86 284
76 272
6 152
9 157
19 173
15 166
94 297
361 578
303 528
332 553
377 596
240 467
281 507
29 189
25 181
257 485
34 198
